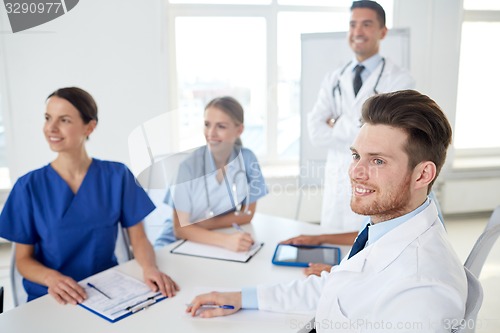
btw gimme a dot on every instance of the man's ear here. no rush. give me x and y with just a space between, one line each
424 173
383 33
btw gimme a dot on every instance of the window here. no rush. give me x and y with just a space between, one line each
478 112
249 49
206 68
481 5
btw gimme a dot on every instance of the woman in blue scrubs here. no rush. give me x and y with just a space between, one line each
64 217
217 184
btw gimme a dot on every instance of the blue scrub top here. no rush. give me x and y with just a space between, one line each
74 234
197 191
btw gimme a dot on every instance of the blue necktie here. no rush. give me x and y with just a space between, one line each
360 242
357 82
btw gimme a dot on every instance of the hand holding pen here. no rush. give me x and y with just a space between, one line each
240 241
240 229
215 304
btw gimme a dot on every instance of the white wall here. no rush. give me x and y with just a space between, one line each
435 32
113 48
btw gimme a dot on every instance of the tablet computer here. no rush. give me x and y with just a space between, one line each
302 255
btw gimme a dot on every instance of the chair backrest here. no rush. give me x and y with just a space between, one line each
473 266
485 242
309 326
123 253
472 305
1 299
19 295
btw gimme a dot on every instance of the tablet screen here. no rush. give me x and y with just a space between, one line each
294 255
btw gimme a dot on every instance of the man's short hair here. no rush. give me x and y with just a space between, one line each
428 129
371 5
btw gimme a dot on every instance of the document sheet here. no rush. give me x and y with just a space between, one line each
215 252
114 295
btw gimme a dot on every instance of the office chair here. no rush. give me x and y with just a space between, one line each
154 161
473 266
123 253
472 304
19 295
309 327
1 299
485 242
123 249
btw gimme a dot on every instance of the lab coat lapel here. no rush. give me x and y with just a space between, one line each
355 263
369 84
353 103
389 247
346 86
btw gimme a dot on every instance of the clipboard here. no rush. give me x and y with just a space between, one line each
114 295
195 249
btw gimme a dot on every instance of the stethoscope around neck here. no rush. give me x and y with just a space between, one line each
337 88
234 189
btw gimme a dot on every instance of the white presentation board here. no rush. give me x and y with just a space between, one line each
322 53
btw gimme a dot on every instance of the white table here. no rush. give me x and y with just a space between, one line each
192 274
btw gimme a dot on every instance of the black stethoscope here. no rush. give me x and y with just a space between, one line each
237 207
336 87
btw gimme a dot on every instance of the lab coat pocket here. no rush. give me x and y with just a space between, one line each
341 312
337 320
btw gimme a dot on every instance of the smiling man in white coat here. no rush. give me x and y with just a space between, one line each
402 273
334 120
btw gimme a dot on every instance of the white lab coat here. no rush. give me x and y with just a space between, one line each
410 276
336 211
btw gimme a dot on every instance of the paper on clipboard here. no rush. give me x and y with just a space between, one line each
127 295
215 252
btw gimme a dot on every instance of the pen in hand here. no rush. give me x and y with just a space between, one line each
214 306
237 227
98 290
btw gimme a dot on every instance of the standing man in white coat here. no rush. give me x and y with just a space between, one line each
402 274
335 119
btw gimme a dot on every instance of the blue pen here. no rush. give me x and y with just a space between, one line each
97 289
237 227
240 229
215 306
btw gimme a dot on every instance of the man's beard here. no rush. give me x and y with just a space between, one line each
387 207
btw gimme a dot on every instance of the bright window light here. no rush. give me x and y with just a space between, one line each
219 56
478 113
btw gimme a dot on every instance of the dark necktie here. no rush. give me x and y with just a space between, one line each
357 83
360 242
